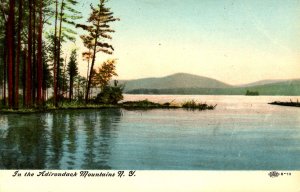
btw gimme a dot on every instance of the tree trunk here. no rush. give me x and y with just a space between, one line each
24 77
78 89
64 92
92 66
58 50
34 64
18 55
71 88
91 71
5 66
29 57
10 46
54 58
39 55
88 68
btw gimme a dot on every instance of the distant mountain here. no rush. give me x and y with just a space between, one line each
282 88
176 81
182 83
267 81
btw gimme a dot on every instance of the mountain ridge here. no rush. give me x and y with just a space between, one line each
184 83
177 80
266 81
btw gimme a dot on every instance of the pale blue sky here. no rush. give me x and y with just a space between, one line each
236 41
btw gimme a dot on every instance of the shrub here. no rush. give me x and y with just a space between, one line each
194 105
109 95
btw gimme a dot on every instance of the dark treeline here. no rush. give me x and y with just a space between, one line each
281 88
32 33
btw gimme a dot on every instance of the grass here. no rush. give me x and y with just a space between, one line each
50 107
19 111
192 105
145 104
134 105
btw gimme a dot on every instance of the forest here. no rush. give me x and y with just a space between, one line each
34 71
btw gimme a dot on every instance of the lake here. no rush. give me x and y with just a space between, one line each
242 133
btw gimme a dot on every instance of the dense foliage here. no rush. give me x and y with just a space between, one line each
110 95
32 34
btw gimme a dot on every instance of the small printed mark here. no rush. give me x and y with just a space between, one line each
273 174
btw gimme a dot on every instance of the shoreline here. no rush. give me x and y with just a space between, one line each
287 104
129 105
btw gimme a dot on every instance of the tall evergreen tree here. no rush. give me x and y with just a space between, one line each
20 42
55 87
3 34
98 30
11 53
39 56
67 14
47 76
72 71
18 52
28 100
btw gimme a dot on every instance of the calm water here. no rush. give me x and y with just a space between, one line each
242 133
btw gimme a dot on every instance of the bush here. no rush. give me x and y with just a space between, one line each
195 105
109 95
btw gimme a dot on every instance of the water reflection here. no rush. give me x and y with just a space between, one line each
108 130
232 137
57 136
89 122
24 146
100 129
63 140
71 137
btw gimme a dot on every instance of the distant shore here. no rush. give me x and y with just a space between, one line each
290 104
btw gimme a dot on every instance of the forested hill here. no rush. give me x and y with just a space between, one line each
176 81
182 83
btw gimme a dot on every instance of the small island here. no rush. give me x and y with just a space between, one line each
252 93
290 103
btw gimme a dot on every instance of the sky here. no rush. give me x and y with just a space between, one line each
234 41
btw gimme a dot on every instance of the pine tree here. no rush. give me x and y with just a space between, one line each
18 52
98 31
23 48
3 62
72 71
39 57
28 100
67 14
11 53
47 76
55 87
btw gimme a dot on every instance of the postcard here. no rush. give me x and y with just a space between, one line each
149 95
